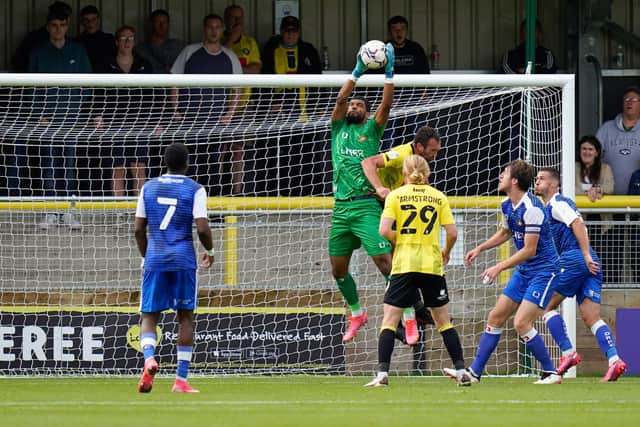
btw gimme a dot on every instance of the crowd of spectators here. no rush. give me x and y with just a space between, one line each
227 48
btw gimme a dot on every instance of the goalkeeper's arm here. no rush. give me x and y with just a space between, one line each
382 113
340 109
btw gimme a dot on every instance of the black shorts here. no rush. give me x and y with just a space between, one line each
404 290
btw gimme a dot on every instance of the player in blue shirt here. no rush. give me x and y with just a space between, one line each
531 285
167 206
581 277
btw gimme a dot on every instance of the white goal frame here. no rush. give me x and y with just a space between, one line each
564 81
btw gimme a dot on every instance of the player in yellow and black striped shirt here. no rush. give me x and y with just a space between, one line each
418 210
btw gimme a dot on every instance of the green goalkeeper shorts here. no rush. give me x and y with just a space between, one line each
356 223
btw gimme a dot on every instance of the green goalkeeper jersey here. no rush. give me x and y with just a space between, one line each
350 144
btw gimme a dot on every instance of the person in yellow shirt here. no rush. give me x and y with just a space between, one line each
418 210
287 53
242 44
384 170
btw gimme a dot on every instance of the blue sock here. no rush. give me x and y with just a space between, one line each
488 343
536 346
148 343
184 357
605 339
558 330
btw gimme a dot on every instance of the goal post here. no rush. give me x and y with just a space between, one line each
69 290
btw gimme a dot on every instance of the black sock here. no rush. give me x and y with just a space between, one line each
386 341
452 342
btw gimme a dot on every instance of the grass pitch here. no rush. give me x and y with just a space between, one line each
327 401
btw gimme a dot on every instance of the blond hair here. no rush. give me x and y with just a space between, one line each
416 170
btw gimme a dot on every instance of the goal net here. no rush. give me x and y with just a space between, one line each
75 149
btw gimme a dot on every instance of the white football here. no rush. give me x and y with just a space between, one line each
374 54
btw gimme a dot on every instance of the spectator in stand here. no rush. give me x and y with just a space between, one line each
410 59
126 114
203 108
248 52
160 50
594 179
620 140
20 59
634 184
287 53
59 111
513 62
242 44
410 56
100 46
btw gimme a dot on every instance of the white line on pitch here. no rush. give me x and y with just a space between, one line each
307 402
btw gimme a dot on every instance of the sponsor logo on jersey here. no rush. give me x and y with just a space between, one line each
170 180
353 152
362 138
393 155
625 151
245 51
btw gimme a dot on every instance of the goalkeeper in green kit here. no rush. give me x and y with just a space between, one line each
356 213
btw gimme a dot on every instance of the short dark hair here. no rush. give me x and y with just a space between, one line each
424 134
367 106
58 14
398 19
89 10
523 172
176 157
555 175
124 28
158 12
60 6
212 16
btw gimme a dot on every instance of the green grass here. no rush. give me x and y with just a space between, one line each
327 401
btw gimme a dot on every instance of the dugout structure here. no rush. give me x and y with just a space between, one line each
69 297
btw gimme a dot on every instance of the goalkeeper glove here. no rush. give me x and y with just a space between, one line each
360 68
391 58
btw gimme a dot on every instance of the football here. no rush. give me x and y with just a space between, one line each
374 54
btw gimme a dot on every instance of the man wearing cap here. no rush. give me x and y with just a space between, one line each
286 53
